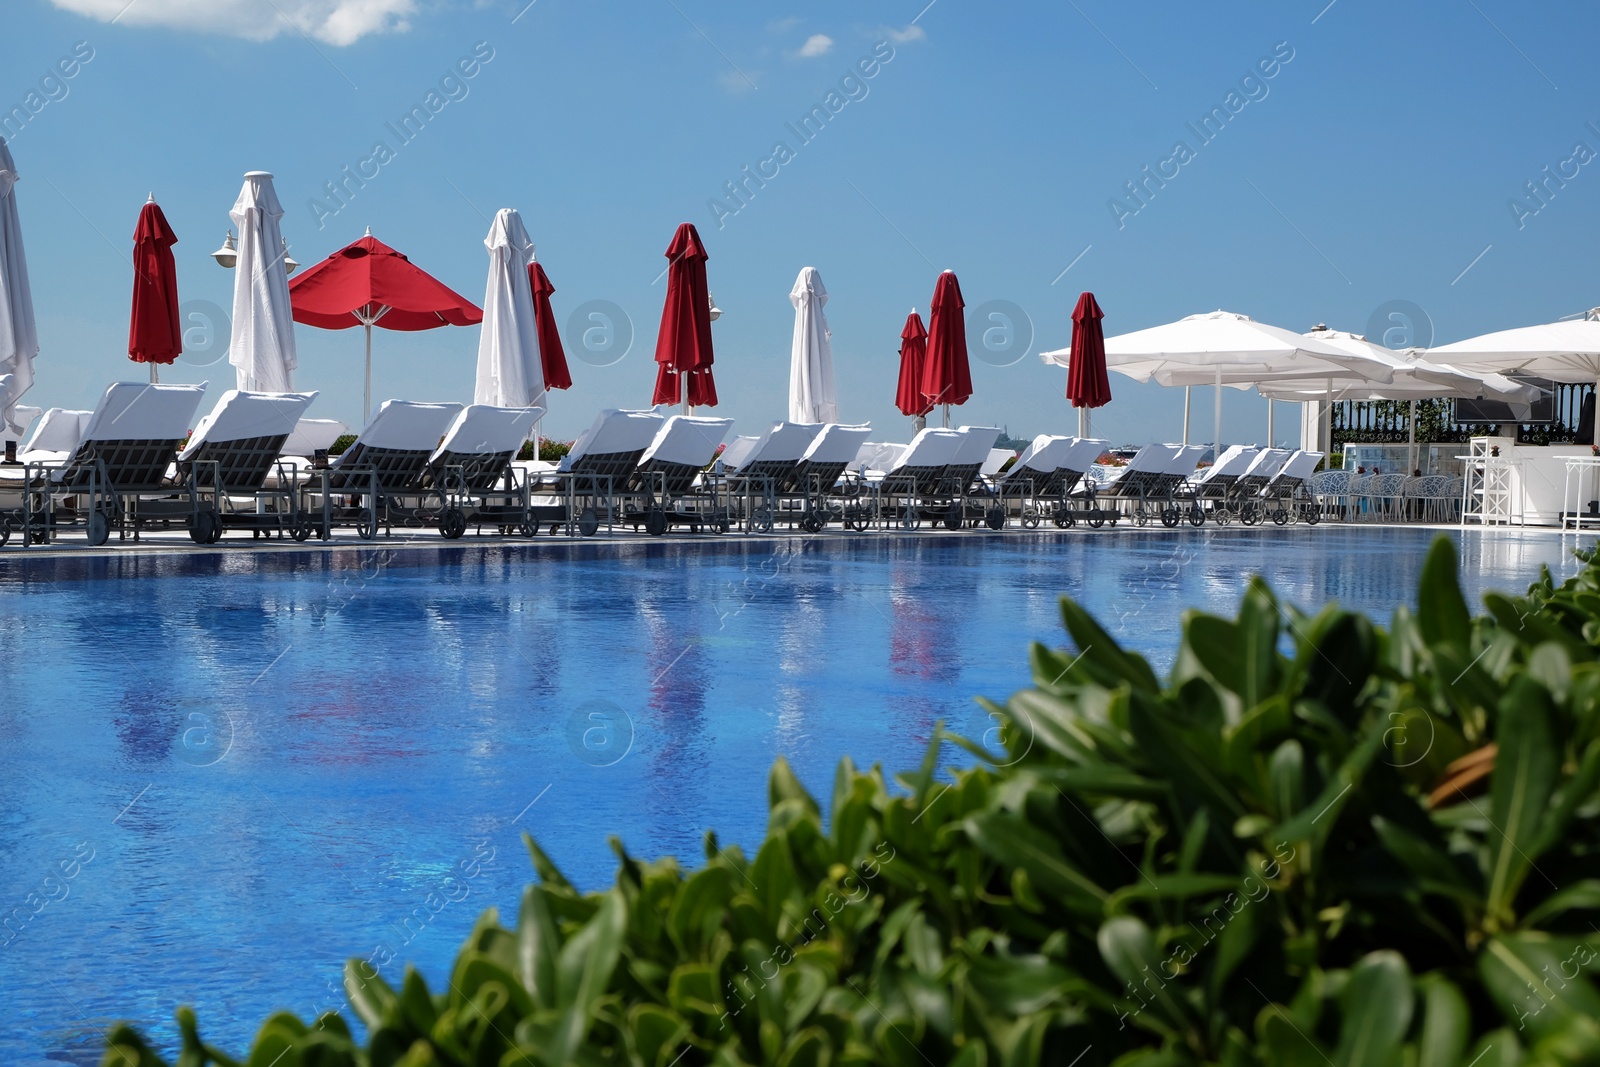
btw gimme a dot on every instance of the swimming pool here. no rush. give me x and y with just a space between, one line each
229 772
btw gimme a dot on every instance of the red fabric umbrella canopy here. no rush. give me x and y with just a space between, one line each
155 333
683 348
355 285
946 377
551 354
1087 385
908 395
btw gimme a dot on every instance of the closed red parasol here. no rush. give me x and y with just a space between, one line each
370 284
1087 385
683 348
946 377
908 395
155 332
551 354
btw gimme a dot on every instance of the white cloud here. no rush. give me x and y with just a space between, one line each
337 22
910 33
818 44
783 25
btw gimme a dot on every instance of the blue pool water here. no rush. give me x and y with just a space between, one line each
226 774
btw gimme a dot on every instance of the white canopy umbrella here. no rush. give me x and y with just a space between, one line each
811 393
1412 378
19 336
262 348
1224 348
1561 351
510 374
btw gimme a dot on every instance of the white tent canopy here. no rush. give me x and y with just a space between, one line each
262 349
510 374
19 336
1224 348
1566 351
811 392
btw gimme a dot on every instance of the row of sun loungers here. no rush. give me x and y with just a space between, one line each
257 463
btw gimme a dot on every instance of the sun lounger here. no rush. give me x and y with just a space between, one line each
831 483
1214 486
55 436
593 474
226 464
120 463
914 487
1153 483
311 436
1249 487
471 471
761 471
669 472
1049 477
386 461
1287 497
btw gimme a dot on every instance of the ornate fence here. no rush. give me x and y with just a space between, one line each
1384 421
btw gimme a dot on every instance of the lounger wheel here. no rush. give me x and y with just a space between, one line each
859 522
202 527
367 524
655 522
1030 519
1249 515
301 531
994 518
99 528
588 522
5 532
1197 515
911 520
452 524
1281 517
528 528
1309 512
1221 516
810 524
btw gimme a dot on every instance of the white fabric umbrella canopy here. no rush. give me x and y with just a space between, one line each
510 374
1225 348
262 347
811 393
1561 351
1411 377
19 336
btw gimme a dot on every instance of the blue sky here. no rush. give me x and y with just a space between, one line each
1376 165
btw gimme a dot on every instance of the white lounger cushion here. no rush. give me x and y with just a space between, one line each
59 430
1083 454
240 416
1301 465
930 448
1042 456
1235 460
691 440
141 411
837 443
1184 462
877 456
482 430
309 435
786 442
1153 459
996 459
737 454
1268 463
975 443
615 431
405 426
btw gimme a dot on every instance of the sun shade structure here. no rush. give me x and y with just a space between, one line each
19 336
1225 348
683 347
369 284
1087 384
811 391
510 374
552 355
1566 351
262 349
908 395
155 332
946 374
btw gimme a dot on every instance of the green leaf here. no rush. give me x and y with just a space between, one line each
1524 777
1580 896
1099 658
782 785
1375 1011
538 946
584 969
1527 977
1446 1023
370 996
1013 841
1441 610
1129 950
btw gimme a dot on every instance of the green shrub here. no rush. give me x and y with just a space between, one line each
1379 850
341 443
549 451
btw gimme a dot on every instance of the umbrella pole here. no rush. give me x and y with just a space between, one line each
947 416
1186 399
1411 434
366 392
1216 428
1083 422
1272 437
155 376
